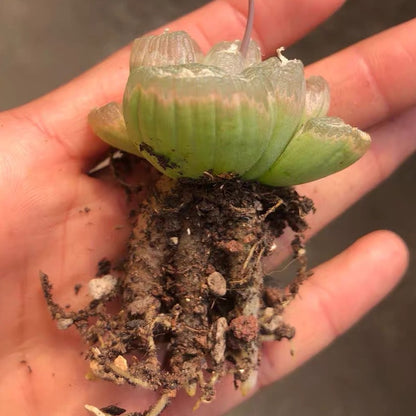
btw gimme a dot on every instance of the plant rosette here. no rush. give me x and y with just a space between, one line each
231 134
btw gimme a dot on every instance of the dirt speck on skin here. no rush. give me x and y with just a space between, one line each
113 410
77 288
104 267
193 282
29 368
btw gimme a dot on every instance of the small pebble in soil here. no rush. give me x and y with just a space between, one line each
102 286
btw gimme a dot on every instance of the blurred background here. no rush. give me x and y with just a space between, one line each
369 371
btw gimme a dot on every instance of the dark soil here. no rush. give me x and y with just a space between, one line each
192 287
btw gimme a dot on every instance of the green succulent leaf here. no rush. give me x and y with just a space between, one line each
287 90
108 123
169 48
317 98
321 147
227 56
197 118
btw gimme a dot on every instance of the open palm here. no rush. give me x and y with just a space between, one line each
57 219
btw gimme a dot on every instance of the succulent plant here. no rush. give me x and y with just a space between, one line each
227 112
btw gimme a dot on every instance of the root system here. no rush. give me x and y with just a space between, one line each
192 304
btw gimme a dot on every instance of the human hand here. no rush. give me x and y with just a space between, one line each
47 148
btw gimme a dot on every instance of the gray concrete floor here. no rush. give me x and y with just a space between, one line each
372 369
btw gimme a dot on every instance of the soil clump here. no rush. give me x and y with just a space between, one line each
192 305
